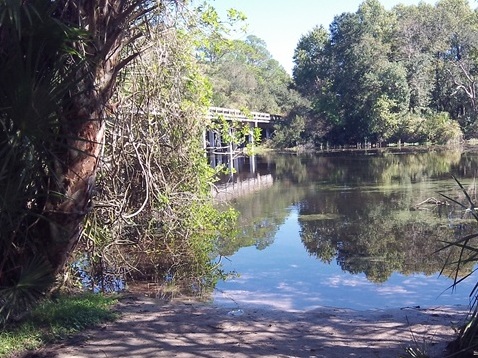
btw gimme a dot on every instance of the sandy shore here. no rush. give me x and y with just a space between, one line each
151 328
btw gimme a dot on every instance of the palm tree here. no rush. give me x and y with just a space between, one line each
58 67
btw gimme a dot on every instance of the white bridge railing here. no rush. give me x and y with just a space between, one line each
235 114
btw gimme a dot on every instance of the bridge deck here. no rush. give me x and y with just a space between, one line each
237 115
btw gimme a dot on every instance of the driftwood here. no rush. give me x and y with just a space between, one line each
431 201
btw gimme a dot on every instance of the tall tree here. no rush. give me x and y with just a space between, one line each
457 61
311 61
345 72
244 75
413 46
59 64
385 75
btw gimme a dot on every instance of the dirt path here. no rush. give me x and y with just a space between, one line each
149 328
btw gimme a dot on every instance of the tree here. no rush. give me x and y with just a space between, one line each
153 215
377 73
390 96
343 72
60 60
244 75
413 47
311 60
457 61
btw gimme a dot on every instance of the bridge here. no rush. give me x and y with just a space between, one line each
213 140
237 115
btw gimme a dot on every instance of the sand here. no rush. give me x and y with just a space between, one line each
185 328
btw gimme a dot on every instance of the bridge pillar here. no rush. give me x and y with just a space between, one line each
211 139
252 164
217 140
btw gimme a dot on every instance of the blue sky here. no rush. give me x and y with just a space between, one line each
280 23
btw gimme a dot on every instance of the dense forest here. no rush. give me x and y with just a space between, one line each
374 76
407 74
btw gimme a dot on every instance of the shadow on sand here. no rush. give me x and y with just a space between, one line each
150 328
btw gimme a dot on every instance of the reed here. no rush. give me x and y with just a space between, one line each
467 341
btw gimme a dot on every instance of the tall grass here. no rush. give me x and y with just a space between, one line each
467 340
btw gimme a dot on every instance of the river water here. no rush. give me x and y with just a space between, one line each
359 230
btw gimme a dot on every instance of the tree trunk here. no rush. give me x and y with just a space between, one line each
77 178
110 27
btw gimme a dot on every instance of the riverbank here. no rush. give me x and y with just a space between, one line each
184 329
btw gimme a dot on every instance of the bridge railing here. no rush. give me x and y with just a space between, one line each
235 114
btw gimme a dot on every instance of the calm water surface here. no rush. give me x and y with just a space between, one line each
347 230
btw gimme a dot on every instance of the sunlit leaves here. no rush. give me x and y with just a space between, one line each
310 58
374 66
244 75
154 198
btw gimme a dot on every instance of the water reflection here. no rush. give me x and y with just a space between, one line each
356 216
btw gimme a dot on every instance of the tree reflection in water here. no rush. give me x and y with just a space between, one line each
360 208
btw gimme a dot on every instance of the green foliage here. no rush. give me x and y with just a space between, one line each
310 58
244 75
289 133
299 125
53 320
441 129
69 314
233 137
34 278
154 219
57 80
37 76
389 98
385 122
376 71
433 128
210 32
211 226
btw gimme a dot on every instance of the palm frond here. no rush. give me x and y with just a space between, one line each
34 279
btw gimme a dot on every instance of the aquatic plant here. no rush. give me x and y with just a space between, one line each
467 340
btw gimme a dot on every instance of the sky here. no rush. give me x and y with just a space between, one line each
281 23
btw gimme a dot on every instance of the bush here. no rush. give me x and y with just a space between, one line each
436 128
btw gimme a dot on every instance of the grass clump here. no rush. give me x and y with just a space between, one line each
56 319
